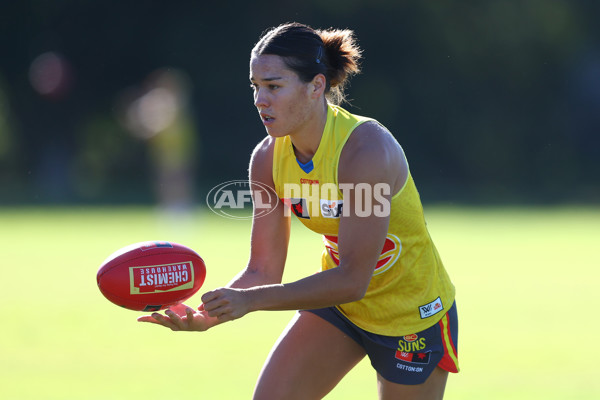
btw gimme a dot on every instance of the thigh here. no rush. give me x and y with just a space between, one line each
308 360
432 389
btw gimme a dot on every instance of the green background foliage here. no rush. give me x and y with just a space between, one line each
494 102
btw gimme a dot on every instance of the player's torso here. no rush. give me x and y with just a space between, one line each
408 260
313 195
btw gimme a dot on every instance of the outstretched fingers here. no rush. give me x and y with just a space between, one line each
175 320
159 319
182 318
189 312
148 318
166 321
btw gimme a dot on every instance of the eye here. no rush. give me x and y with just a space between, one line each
274 87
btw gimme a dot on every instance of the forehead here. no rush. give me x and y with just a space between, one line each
269 66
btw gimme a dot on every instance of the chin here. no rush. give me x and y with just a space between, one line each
275 133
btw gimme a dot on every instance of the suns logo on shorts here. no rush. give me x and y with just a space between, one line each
389 254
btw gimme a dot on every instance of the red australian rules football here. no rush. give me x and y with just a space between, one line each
151 276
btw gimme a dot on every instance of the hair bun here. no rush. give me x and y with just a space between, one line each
342 52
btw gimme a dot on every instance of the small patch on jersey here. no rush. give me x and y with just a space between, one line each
331 208
431 309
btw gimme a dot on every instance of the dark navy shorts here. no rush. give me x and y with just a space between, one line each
409 359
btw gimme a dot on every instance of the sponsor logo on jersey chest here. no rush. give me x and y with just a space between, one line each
331 208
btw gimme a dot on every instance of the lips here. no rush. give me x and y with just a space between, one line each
266 118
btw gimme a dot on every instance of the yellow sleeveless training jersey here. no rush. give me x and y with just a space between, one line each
410 290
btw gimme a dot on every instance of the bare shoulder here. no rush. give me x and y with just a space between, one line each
372 153
263 150
371 138
261 162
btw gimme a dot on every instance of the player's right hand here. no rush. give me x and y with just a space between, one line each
181 318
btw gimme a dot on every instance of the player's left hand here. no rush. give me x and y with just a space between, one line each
226 304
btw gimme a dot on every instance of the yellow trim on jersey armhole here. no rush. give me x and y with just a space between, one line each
408 176
276 156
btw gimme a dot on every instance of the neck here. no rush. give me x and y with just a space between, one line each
306 142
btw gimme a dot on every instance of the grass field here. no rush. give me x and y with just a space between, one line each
526 282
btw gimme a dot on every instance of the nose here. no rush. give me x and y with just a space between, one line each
260 98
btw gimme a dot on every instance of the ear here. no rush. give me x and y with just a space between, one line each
317 86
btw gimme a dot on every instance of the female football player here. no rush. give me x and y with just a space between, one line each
383 291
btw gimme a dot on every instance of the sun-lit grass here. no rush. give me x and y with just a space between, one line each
526 292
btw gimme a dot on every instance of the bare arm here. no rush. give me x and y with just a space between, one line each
270 231
268 249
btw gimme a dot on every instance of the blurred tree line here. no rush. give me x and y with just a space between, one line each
144 101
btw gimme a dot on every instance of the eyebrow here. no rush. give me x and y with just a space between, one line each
267 79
